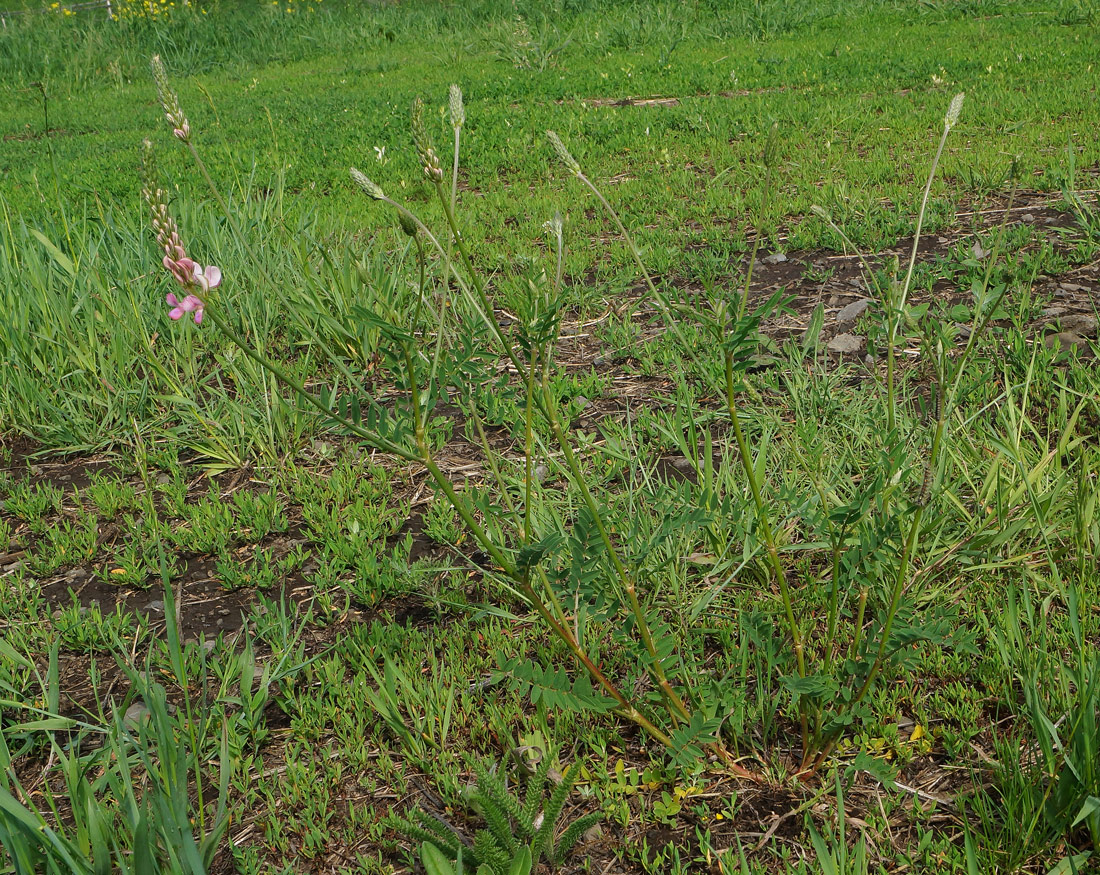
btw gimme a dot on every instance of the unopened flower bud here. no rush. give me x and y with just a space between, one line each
429 160
554 225
169 102
563 153
953 111
458 111
373 189
407 223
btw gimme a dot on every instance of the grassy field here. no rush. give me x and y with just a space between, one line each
653 499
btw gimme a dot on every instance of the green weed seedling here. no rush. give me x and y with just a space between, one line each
259 572
441 523
521 830
35 505
65 542
132 808
110 495
90 629
208 525
834 857
258 514
1062 706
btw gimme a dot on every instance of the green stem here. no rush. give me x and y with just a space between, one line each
762 516
898 312
861 614
529 447
259 263
371 437
755 245
662 303
486 306
769 540
675 703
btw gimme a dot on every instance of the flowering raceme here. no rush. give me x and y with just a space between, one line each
194 279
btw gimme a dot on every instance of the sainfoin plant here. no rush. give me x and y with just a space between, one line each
576 571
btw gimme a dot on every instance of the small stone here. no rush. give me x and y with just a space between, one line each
978 251
1067 340
208 644
853 311
136 714
775 258
682 463
163 478
846 343
1082 323
155 605
76 574
599 361
541 471
1028 217
1073 287
1051 312
593 833
582 402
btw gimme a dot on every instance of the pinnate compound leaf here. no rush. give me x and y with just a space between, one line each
688 740
553 688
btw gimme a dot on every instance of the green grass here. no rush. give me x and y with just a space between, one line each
346 648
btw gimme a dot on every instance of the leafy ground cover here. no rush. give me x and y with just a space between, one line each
238 636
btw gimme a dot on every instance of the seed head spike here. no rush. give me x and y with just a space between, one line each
563 153
373 189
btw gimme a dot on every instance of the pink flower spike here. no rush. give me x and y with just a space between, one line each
192 304
182 268
189 304
208 278
177 311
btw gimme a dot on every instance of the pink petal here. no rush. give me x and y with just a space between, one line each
198 316
213 275
171 299
175 313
